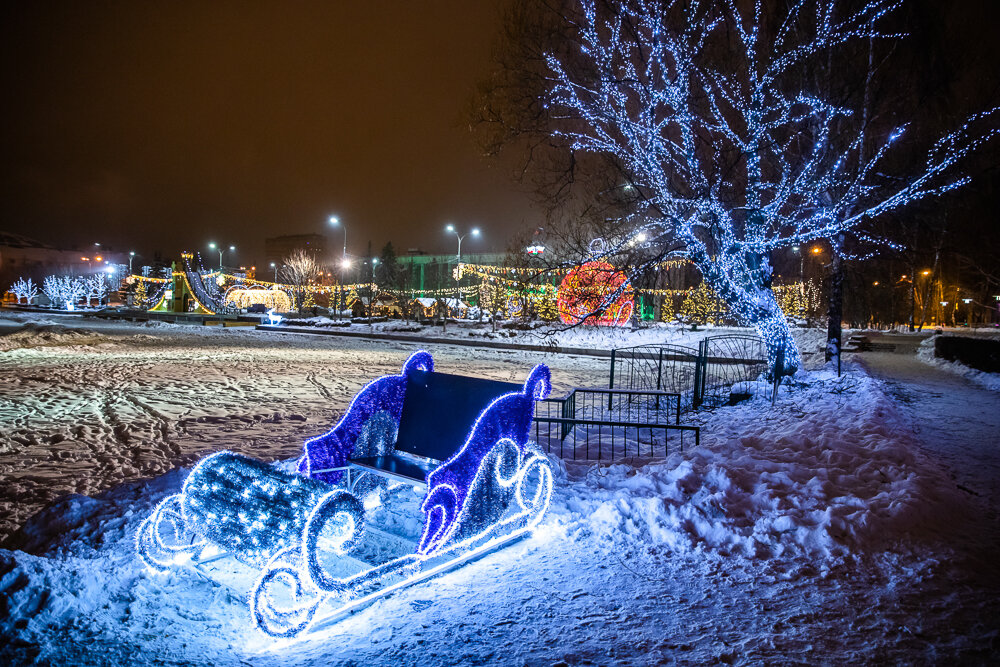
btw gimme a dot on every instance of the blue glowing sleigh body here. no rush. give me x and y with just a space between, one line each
316 547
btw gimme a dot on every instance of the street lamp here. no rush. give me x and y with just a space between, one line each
335 222
274 267
131 256
474 232
345 264
221 250
451 228
371 292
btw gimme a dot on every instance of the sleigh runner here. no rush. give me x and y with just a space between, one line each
344 530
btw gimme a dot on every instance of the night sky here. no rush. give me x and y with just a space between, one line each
163 126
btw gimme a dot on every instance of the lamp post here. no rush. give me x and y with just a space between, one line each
474 232
274 267
371 292
344 265
335 222
221 250
802 263
131 256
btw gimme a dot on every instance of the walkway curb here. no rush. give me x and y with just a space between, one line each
545 349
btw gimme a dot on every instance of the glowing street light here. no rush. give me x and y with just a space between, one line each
451 229
335 222
274 267
474 232
131 256
221 250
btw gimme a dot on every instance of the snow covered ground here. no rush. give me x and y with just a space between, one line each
816 531
810 340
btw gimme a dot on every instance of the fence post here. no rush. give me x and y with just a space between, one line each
611 382
659 371
659 377
779 366
568 412
699 374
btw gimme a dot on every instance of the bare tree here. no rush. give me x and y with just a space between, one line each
298 269
25 289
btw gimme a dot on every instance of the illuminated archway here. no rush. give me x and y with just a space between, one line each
272 299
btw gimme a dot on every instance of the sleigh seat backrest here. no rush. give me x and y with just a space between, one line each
440 410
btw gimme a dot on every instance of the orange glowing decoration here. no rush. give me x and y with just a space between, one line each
587 289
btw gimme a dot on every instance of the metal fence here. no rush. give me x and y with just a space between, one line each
725 363
612 424
655 367
709 376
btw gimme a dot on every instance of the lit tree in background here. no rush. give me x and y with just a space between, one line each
64 290
298 269
97 287
730 150
25 289
140 298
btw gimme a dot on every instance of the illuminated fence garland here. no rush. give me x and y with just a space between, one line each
494 489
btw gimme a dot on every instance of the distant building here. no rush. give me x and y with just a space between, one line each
21 256
278 248
422 273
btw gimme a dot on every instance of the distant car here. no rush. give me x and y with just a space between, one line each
257 308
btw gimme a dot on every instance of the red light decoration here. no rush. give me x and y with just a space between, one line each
586 288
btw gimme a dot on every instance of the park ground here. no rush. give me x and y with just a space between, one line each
853 521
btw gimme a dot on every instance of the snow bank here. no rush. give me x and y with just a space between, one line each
36 334
987 380
831 470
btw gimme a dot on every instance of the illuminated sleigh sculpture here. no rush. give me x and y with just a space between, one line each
312 552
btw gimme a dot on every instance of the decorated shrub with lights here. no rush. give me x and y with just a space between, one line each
595 293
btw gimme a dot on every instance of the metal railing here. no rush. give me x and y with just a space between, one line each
612 424
600 439
706 376
655 407
654 367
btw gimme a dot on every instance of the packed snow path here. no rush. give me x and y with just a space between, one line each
956 421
